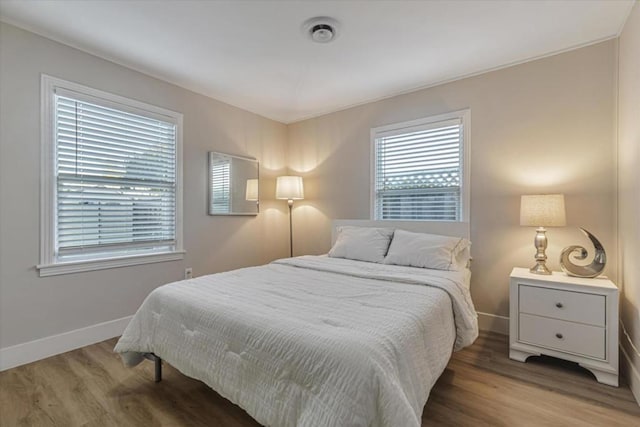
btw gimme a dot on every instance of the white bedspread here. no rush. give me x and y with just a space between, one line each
311 341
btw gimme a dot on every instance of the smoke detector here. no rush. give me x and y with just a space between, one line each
321 29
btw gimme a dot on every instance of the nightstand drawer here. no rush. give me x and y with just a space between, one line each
564 305
563 336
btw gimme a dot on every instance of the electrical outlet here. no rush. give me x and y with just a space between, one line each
188 273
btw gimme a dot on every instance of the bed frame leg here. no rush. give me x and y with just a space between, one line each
158 365
158 370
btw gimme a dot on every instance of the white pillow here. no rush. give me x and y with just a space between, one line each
427 251
362 243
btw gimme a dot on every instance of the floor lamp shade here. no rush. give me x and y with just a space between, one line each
289 188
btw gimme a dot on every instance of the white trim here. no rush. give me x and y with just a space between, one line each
465 194
493 323
466 165
126 103
425 123
179 246
47 160
42 348
631 374
101 264
49 265
630 370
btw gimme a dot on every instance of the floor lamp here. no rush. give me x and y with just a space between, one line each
290 188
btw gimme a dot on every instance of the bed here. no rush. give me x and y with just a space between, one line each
313 340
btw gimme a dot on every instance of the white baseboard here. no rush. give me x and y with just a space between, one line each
493 323
629 369
630 373
42 348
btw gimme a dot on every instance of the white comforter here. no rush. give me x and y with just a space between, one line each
311 341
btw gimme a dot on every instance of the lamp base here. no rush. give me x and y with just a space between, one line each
540 268
290 203
540 243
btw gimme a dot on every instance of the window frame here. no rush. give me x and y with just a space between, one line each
49 263
398 128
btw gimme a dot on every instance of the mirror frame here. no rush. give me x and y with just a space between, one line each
210 155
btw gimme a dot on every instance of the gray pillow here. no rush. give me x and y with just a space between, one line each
428 251
362 243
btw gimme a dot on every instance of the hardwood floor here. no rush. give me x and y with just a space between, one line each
480 387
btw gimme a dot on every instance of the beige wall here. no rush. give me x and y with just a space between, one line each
32 307
629 189
543 126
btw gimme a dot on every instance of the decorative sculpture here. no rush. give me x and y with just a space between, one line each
580 253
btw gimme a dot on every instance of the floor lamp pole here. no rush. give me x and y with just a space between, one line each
290 203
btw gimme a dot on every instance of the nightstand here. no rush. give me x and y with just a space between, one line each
566 317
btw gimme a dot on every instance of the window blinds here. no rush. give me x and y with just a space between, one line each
418 172
115 178
220 197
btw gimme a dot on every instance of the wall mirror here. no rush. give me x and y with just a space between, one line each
233 185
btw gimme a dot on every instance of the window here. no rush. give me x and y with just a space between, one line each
420 170
111 180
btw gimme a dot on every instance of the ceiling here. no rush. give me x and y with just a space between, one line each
254 54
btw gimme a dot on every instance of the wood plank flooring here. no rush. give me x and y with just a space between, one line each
480 387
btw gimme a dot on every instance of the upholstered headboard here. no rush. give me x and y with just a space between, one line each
444 228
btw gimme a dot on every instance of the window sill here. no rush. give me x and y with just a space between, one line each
101 264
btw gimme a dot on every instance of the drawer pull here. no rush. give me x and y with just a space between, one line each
559 305
559 336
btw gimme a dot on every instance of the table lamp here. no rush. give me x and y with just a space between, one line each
542 210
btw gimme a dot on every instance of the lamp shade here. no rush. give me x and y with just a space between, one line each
289 187
252 189
543 210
